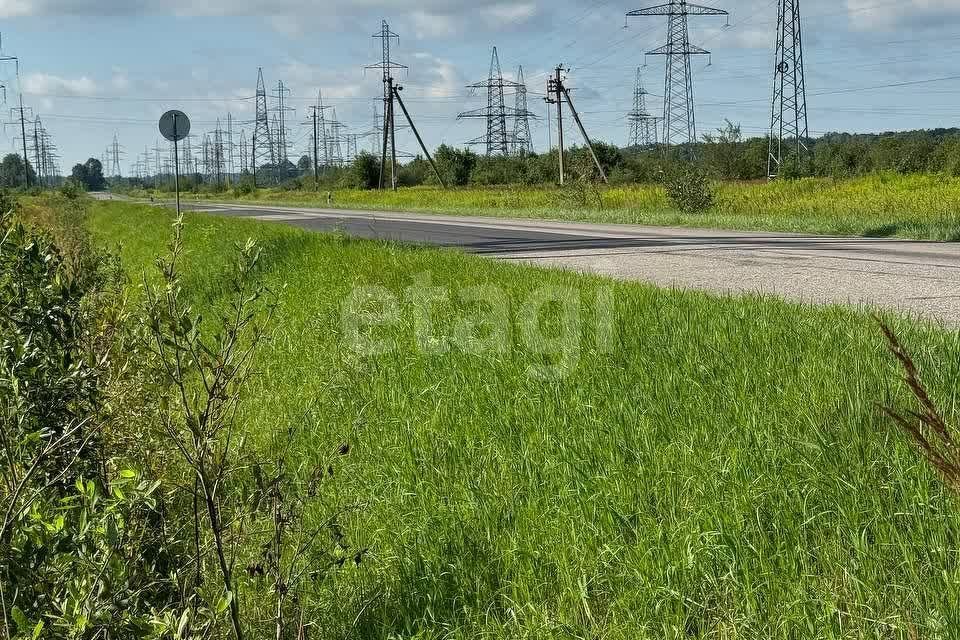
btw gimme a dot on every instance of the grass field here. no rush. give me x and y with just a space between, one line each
717 469
914 206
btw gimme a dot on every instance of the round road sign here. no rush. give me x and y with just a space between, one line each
174 125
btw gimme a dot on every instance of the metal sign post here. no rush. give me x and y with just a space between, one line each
175 126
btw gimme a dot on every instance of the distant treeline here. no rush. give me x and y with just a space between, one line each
722 155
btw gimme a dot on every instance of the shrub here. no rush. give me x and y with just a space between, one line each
244 186
365 172
79 554
101 420
689 189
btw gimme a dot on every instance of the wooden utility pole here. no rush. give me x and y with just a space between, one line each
554 86
316 148
559 91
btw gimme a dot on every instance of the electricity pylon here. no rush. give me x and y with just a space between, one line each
283 148
522 140
497 139
389 130
679 123
788 121
114 156
262 151
642 126
391 95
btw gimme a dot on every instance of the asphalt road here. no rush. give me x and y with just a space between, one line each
919 278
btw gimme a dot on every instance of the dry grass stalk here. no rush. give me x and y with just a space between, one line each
926 428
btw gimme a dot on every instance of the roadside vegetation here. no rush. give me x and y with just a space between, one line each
889 185
883 205
703 466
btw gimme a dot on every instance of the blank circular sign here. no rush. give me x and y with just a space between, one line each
174 125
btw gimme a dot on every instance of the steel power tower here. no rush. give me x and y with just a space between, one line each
497 140
391 95
389 129
642 126
262 145
522 140
788 122
283 149
115 154
679 123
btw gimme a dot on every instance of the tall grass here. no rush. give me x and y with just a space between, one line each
912 206
723 472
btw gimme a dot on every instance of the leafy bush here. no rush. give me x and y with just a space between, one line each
455 165
128 508
79 554
244 186
688 188
365 172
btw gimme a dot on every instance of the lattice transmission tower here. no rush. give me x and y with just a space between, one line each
283 148
388 132
789 130
334 140
115 154
261 151
497 140
391 96
642 132
522 140
679 122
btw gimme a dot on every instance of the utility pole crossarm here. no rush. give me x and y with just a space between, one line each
671 49
671 9
510 112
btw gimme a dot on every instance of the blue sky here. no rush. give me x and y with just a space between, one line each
95 69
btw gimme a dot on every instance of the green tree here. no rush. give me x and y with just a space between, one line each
90 175
365 172
12 174
455 165
609 156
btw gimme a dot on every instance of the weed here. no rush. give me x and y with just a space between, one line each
926 428
689 188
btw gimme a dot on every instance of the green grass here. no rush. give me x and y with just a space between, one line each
722 472
887 205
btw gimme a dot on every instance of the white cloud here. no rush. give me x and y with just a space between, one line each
868 15
436 78
431 25
294 8
48 84
16 8
510 13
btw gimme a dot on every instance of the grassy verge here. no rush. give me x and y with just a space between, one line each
915 206
716 469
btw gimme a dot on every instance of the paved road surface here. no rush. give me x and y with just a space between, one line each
916 277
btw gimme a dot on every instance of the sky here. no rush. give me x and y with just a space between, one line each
95 69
